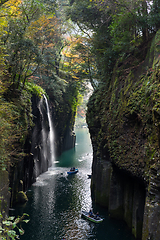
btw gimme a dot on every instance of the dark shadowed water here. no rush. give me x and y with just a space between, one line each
56 200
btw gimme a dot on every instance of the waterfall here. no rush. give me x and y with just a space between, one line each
40 141
42 148
51 132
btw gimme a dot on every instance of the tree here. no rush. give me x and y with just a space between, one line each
91 17
154 19
117 27
19 62
46 33
78 59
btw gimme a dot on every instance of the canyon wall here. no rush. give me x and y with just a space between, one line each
37 149
123 117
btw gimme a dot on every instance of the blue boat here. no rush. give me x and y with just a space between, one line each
72 171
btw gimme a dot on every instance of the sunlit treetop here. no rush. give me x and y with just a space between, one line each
10 8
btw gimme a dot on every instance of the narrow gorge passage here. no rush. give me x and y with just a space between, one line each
56 200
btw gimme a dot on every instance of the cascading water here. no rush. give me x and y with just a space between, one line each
42 148
51 132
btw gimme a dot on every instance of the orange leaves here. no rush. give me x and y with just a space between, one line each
77 57
72 56
39 25
44 31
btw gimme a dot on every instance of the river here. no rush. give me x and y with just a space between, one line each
56 200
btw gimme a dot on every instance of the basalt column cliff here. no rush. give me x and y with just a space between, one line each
124 123
38 153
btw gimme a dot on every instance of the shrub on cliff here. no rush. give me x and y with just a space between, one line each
9 226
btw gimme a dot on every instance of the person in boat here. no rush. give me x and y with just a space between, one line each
72 169
90 213
97 215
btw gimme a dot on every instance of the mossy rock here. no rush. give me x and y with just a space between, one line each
22 197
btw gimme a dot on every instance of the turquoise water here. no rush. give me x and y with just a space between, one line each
56 200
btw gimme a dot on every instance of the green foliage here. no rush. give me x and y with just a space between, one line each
8 227
85 13
126 112
35 89
122 40
117 28
16 121
7 117
32 56
19 61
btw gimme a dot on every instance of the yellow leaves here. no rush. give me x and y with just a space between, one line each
10 8
3 24
74 41
70 51
67 54
38 25
42 28
43 21
75 55
12 4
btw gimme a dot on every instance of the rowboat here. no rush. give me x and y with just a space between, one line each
93 218
72 171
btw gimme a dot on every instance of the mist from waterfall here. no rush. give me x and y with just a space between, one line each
51 133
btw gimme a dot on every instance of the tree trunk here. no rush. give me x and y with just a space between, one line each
144 27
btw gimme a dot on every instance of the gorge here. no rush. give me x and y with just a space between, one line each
56 50
125 174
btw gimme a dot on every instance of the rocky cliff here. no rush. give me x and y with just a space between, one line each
63 115
124 122
37 159
36 155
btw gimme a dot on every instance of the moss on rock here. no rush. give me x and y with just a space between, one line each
126 115
124 122
21 197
